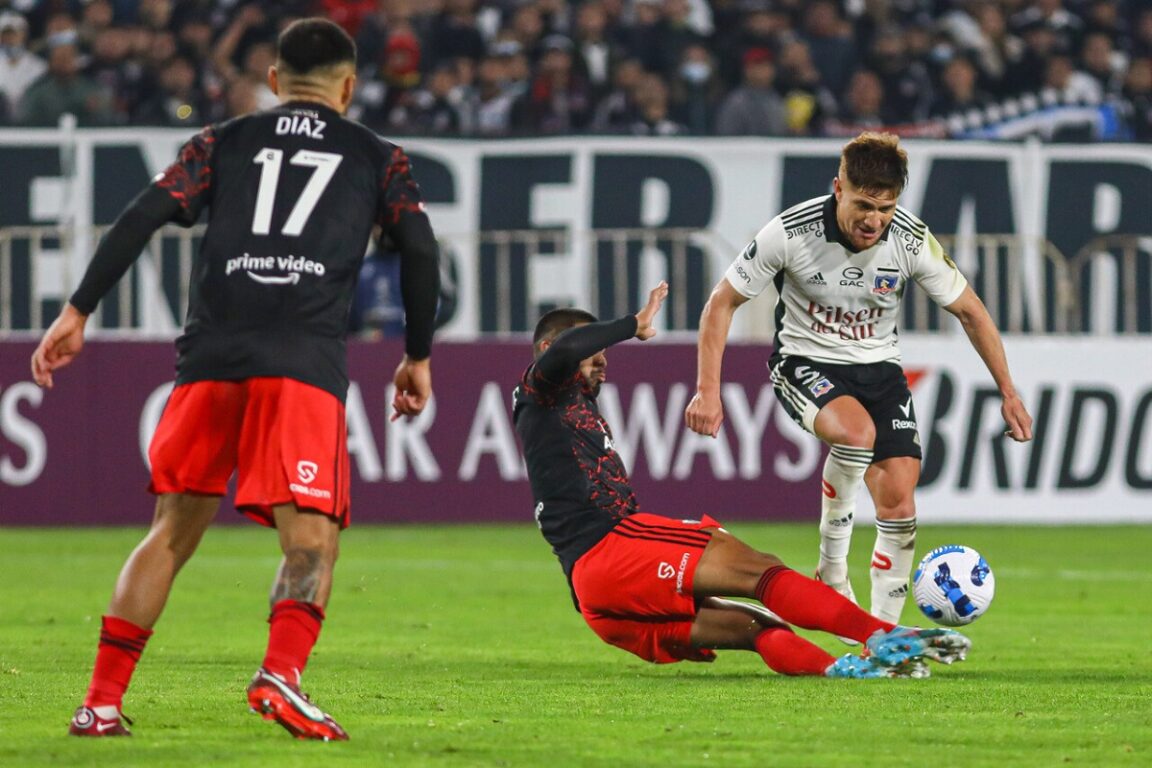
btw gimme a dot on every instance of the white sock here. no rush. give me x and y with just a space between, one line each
843 470
891 563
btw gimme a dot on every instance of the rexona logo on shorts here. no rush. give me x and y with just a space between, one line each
290 268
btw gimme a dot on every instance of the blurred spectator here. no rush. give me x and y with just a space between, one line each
618 109
95 16
114 68
1100 60
830 40
696 90
807 102
19 67
652 117
65 89
755 108
999 52
595 52
454 33
489 111
862 105
645 39
398 74
1138 93
760 24
526 28
958 93
1040 44
178 102
429 111
349 14
241 97
907 85
1104 16
1065 26
1142 33
1064 84
559 100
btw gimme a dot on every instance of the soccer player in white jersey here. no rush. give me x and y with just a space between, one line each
840 264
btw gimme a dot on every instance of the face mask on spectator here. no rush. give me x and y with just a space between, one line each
695 71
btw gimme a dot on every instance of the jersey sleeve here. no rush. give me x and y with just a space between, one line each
756 266
188 181
400 194
936 273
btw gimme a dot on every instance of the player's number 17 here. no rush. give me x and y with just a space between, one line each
325 165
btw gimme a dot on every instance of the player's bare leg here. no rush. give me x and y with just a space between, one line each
892 483
141 592
729 567
310 542
146 579
848 429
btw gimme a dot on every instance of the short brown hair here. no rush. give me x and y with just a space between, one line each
875 162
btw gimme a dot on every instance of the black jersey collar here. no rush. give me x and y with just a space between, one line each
305 104
832 233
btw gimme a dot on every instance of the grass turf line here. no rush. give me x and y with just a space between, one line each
458 646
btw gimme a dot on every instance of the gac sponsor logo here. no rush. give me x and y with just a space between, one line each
750 251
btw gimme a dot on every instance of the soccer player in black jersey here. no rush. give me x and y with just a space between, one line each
292 196
657 586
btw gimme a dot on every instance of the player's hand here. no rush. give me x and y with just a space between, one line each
644 317
1017 418
62 341
705 413
413 381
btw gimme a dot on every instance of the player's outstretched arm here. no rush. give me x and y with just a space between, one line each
705 412
644 317
985 338
61 342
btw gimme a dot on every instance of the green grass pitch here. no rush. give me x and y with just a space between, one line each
458 646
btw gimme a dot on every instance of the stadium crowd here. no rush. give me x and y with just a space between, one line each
1061 69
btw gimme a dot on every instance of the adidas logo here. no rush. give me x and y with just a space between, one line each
901 592
816 279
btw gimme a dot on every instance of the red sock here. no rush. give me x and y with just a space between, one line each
121 643
809 604
294 629
789 654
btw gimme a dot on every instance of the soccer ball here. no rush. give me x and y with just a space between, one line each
953 585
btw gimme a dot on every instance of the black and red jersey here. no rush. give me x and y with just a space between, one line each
579 483
292 195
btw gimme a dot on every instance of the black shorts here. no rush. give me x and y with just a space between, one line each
805 386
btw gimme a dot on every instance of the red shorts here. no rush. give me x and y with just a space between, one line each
286 440
635 586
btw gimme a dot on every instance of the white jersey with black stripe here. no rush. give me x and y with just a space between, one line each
837 305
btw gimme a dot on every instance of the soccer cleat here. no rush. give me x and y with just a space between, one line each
904 644
851 666
844 589
274 698
87 723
